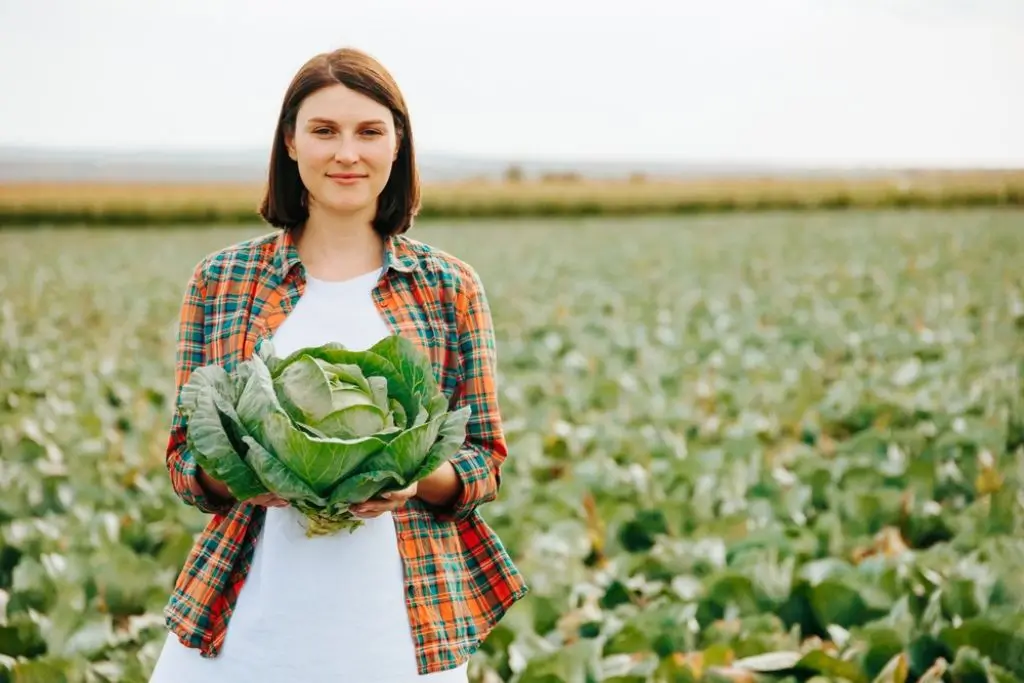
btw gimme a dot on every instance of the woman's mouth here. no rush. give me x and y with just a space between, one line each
346 178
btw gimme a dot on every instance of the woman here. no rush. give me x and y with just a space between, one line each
412 593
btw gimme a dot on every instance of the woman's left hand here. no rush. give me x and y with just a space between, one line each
393 500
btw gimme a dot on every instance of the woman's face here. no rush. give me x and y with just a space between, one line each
344 144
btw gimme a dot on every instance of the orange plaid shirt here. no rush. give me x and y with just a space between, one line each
459 579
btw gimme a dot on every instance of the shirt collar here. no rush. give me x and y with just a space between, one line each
397 255
286 255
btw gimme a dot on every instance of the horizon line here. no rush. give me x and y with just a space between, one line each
665 163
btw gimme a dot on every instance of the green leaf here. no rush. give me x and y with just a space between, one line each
214 451
835 602
230 422
422 417
450 439
278 478
372 364
412 364
924 652
881 644
438 404
895 670
729 591
616 594
40 671
630 638
379 392
361 487
401 419
934 674
575 663
833 668
769 662
345 376
257 400
969 667
355 421
303 390
202 380
319 462
345 395
21 637
91 638
963 598
32 586
639 534
406 453
999 638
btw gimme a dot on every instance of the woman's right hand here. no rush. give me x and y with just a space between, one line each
220 491
268 500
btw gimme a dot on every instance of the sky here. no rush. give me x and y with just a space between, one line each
803 82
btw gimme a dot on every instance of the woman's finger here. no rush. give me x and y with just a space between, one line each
372 509
270 500
401 494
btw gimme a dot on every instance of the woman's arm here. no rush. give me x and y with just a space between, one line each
191 484
442 487
473 476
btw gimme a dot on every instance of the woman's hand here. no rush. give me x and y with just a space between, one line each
268 500
438 488
388 502
219 491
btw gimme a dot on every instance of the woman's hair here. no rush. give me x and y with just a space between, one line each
283 204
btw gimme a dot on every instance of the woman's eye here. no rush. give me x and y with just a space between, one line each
330 131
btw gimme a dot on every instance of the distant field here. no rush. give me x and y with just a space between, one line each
28 204
798 435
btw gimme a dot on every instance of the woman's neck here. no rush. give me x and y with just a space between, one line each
333 248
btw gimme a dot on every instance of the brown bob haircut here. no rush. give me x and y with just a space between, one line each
283 204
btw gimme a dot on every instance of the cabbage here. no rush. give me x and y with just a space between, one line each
324 428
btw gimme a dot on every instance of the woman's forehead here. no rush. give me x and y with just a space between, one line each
339 104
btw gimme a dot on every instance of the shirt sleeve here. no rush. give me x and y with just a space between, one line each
189 355
478 463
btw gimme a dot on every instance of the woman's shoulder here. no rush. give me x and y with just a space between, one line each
437 265
243 259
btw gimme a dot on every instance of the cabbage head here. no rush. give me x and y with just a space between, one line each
324 428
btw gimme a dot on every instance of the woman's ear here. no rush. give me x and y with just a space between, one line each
289 143
398 142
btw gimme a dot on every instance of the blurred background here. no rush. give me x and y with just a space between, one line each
755 274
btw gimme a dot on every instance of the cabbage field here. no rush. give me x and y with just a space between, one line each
743 447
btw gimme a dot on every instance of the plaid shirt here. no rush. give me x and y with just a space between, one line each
459 579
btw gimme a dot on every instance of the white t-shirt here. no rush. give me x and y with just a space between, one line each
329 608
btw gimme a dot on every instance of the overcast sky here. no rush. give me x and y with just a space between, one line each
793 81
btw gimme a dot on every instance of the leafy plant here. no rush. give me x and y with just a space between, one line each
324 428
775 447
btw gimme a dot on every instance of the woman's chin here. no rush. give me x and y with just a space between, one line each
348 206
